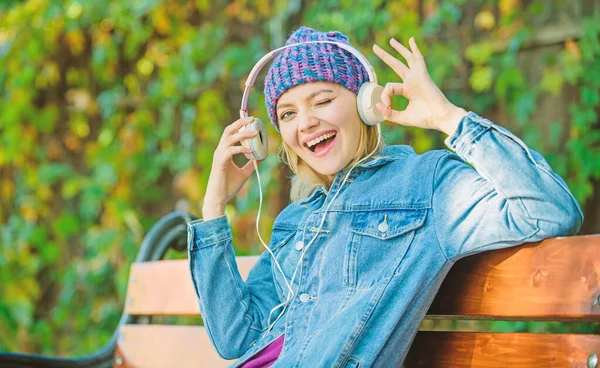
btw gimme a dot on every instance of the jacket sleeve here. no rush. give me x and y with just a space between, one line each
234 312
509 196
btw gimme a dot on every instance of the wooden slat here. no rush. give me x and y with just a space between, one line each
491 350
166 288
556 279
161 346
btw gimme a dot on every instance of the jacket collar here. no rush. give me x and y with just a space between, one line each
388 154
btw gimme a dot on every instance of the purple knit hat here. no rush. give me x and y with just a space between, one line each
312 63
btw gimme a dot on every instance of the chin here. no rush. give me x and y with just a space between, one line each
329 172
328 169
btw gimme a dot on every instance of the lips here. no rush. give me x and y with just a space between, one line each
317 135
312 143
321 149
320 143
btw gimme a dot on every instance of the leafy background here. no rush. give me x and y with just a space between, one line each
110 111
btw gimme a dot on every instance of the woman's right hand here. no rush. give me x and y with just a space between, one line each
226 178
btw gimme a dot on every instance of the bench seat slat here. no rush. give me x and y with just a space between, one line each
189 346
165 287
558 278
166 346
495 350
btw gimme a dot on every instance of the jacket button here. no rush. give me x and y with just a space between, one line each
299 245
383 227
304 298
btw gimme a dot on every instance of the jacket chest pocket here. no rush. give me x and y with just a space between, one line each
281 241
378 241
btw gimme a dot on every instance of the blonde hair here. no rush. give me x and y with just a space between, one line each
305 179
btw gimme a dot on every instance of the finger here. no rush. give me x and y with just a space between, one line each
247 169
415 49
391 115
234 150
385 111
406 54
419 59
236 125
233 128
389 90
239 136
391 61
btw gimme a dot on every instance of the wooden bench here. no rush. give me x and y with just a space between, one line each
554 280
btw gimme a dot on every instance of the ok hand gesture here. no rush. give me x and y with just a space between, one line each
428 108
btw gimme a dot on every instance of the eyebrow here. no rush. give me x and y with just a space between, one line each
311 96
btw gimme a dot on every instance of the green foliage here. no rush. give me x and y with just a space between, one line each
110 112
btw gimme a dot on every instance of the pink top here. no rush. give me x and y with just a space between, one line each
267 356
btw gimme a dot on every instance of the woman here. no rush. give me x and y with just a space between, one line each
392 230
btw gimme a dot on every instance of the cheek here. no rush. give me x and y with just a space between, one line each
285 134
336 115
350 122
342 114
356 136
289 137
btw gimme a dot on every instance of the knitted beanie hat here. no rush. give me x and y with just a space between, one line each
311 63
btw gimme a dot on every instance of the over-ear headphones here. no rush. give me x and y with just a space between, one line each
367 98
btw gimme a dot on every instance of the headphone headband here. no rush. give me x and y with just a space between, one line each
265 59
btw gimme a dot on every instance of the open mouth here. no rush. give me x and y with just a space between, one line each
321 144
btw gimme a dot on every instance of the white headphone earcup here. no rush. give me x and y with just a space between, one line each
259 143
369 95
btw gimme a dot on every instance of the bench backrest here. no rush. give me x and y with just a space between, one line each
554 280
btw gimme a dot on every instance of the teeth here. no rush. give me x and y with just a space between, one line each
319 139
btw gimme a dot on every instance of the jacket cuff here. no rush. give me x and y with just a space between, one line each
471 126
206 233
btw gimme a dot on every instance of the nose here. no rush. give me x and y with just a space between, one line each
308 123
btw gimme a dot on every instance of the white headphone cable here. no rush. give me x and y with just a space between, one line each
258 220
290 290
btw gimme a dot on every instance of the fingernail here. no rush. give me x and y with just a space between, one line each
375 46
393 40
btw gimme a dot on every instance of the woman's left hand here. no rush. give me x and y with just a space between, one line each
427 108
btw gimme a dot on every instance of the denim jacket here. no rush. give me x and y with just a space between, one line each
399 223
